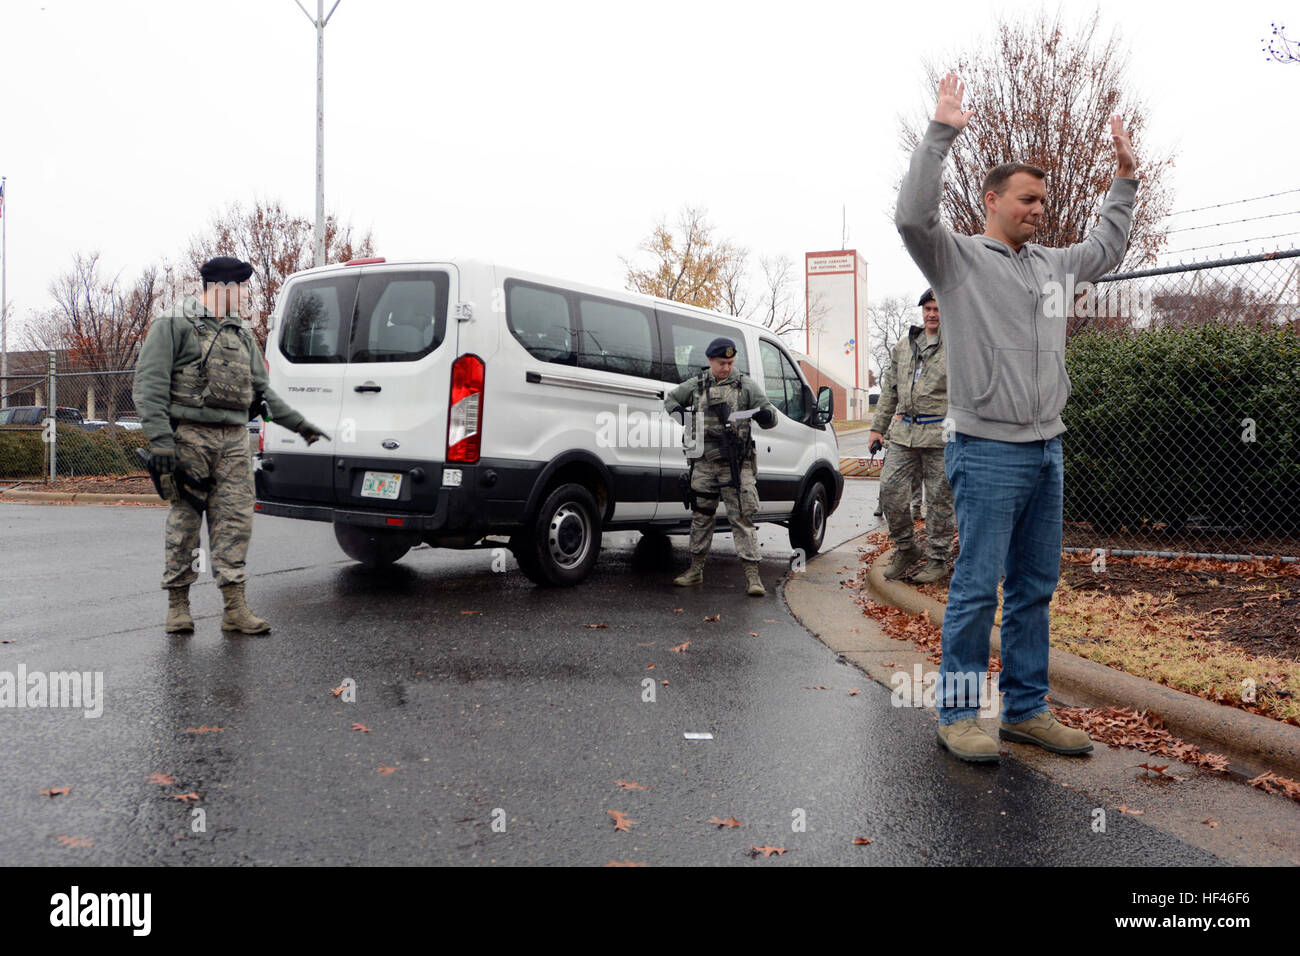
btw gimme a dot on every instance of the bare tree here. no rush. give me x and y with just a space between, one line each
780 308
277 244
889 319
1281 48
1044 96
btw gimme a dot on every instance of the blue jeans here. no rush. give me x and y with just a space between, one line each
1008 498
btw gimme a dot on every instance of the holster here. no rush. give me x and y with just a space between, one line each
177 485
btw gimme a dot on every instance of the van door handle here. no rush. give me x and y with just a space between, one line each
367 387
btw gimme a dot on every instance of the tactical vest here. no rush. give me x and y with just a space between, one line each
223 377
708 391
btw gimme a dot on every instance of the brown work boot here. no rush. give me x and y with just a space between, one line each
178 611
1047 732
692 575
755 588
964 740
904 558
936 569
237 616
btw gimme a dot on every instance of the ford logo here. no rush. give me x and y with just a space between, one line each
390 444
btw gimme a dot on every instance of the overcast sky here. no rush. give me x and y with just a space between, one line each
553 135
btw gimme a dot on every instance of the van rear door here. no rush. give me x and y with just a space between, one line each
392 421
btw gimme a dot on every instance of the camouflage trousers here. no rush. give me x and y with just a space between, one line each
903 465
221 453
711 483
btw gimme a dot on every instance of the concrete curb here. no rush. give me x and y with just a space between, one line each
79 498
1251 741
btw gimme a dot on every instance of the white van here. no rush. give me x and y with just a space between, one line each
467 400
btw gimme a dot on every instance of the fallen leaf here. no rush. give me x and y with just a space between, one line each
861 841
384 770
1124 809
716 617
853 692
678 610
649 667
203 730
768 620
630 785
766 850
623 863
646 644
621 821
336 690
730 823
1157 770
597 627
56 791
361 727
165 779
185 797
71 841
664 682
1210 823
753 633
818 687
680 648
889 664
469 612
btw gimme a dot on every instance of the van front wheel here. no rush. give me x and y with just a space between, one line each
808 523
373 547
560 547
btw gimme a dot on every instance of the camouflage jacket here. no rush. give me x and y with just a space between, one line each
739 391
164 391
915 386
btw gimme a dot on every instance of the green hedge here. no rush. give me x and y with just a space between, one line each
22 453
1156 429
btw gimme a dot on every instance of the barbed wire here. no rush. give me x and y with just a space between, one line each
1230 242
1235 202
1231 222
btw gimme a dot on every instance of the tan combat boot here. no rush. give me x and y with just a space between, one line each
755 588
965 740
692 575
904 558
178 611
935 570
1047 732
237 616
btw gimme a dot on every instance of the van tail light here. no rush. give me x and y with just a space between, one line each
465 410
261 437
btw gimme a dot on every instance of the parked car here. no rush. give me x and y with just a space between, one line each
35 415
465 399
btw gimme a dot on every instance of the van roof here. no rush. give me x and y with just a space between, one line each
546 280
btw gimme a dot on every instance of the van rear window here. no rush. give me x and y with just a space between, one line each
400 316
317 318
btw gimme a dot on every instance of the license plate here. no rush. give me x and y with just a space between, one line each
381 484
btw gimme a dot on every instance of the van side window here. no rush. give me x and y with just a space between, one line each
796 406
615 338
400 317
685 339
773 374
539 319
315 318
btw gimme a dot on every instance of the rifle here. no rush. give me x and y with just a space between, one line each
731 441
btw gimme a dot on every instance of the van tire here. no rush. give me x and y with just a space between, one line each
373 547
561 545
808 523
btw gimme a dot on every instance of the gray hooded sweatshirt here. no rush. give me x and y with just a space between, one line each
1004 311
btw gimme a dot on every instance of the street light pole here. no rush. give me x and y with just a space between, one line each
320 20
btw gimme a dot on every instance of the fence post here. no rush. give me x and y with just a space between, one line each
53 417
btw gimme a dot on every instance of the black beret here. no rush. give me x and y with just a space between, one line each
225 269
721 348
928 296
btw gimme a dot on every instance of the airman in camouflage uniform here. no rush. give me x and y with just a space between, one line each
711 480
915 387
195 381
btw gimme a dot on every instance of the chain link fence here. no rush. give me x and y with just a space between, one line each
68 424
1184 419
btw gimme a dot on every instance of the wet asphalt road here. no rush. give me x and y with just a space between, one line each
518 707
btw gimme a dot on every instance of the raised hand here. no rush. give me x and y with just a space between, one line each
1124 157
949 111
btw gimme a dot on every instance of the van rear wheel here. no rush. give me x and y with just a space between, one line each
373 547
561 545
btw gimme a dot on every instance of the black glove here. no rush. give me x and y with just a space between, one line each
766 417
875 447
162 462
310 432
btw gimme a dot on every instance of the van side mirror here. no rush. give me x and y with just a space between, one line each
825 405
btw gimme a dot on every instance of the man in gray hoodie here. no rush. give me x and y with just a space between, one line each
1005 302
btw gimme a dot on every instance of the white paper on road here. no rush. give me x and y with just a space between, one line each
690 736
